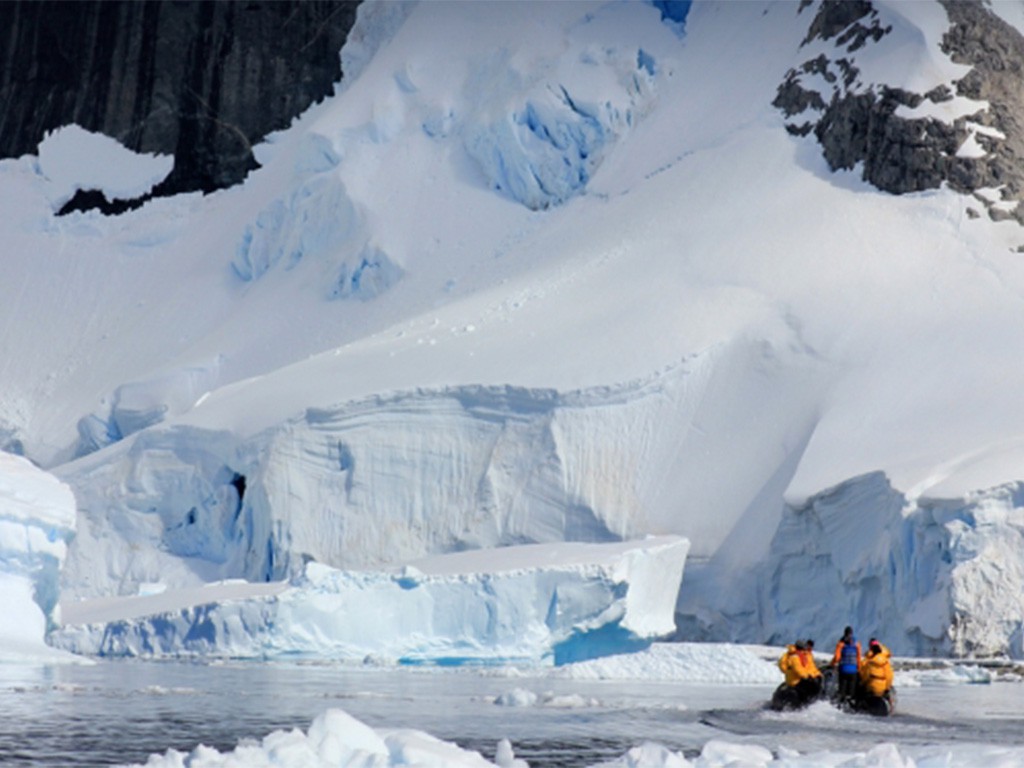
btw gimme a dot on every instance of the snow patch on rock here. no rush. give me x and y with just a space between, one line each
72 159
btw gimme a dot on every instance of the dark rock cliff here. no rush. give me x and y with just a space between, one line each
201 80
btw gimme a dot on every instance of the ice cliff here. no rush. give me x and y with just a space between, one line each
933 577
391 478
37 520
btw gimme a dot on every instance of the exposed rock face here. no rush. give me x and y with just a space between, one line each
200 80
995 50
860 123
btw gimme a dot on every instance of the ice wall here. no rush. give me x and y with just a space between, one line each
381 480
37 519
395 477
929 577
551 603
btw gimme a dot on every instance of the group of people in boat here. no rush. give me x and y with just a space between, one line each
852 680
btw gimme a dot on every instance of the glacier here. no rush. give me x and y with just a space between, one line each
532 604
610 297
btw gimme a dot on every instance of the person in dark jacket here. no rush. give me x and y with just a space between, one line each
846 662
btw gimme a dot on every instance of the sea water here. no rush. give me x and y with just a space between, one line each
116 712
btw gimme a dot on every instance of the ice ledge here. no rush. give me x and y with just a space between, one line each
536 604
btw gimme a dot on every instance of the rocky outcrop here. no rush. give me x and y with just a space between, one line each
862 124
899 155
995 52
202 81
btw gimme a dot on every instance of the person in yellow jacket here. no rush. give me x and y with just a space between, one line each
876 670
803 678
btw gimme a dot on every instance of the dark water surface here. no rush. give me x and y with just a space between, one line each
119 712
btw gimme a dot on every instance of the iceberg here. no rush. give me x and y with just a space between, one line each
535 604
37 520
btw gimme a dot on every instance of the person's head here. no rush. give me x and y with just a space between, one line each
848 632
874 646
801 645
810 644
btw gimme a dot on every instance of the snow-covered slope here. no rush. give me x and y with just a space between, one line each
571 280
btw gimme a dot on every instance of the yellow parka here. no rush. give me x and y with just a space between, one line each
876 671
797 665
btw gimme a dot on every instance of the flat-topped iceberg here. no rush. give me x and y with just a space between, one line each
534 604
